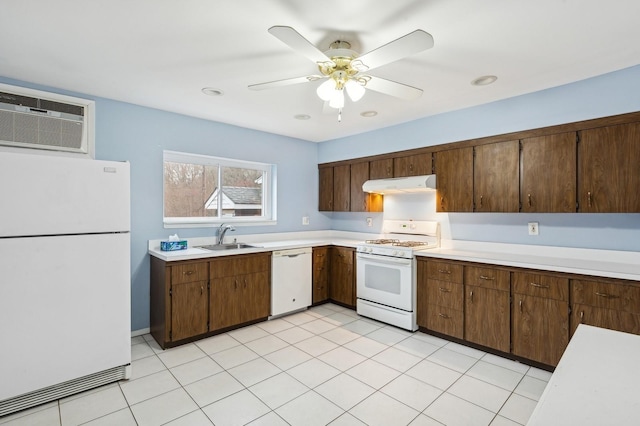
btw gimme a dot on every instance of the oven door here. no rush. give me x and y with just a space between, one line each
385 280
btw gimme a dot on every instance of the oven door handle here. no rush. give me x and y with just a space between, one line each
385 259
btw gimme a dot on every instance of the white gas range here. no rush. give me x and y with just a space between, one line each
386 271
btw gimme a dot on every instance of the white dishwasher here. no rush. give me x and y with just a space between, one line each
290 280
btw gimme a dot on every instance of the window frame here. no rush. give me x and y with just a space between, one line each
269 198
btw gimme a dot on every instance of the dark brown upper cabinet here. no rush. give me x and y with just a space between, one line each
548 173
381 169
360 200
496 177
454 180
325 191
342 188
413 165
609 169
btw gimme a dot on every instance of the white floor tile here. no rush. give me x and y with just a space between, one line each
294 335
318 326
164 408
373 373
230 358
387 336
320 311
195 370
278 390
137 339
141 350
340 318
309 409
237 409
195 418
539 374
342 358
417 347
518 408
361 327
480 393
215 344
365 346
49 416
213 388
148 387
503 421
437 341
412 392
313 372
433 374
155 347
247 334
299 318
122 417
146 366
505 363
266 345
465 350
530 387
382 410
269 419
453 411
253 372
452 359
397 359
423 420
340 335
92 405
496 375
288 357
345 391
316 345
181 355
275 325
346 420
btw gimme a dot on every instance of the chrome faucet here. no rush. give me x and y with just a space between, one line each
223 230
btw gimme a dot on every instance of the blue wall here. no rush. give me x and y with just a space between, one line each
139 135
609 94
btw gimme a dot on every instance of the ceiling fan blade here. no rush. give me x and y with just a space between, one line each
294 40
393 88
406 45
285 82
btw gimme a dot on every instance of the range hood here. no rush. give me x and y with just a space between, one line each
401 185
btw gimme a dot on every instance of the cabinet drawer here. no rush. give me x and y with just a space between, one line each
539 285
445 294
605 318
239 264
622 297
491 278
444 271
189 272
445 320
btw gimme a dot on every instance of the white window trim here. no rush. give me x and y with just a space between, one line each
269 192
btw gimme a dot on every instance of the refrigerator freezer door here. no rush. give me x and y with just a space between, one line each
45 195
64 309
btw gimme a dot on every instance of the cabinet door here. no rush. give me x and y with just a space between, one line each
341 283
189 309
320 274
423 300
445 320
548 174
360 200
342 188
325 192
495 177
381 169
540 328
413 165
255 296
454 171
487 317
224 303
605 318
608 169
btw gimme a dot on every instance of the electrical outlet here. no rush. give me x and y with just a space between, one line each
533 228
305 220
369 221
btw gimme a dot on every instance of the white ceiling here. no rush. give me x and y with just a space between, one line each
161 53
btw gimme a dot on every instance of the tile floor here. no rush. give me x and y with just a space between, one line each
322 366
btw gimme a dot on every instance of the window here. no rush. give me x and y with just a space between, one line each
201 190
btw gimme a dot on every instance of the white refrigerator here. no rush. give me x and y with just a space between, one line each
65 310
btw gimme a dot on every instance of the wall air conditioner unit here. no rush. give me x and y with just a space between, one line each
46 123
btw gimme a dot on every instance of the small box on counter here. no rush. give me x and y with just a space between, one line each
173 245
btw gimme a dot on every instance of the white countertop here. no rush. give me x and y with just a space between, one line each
596 382
599 263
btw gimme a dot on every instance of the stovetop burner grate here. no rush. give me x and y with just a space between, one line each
383 241
409 243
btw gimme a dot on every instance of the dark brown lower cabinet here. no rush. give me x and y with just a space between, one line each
342 277
189 309
320 275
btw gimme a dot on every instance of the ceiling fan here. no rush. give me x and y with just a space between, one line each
345 70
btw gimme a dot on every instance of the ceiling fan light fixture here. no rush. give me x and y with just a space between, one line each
326 89
337 99
355 90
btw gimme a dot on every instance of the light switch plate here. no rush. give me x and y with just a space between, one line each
305 220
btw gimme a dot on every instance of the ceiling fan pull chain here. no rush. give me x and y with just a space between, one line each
339 115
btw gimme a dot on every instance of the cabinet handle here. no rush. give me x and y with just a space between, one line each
529 199
484 277
471 296
589 198
444 290
188 272
444 271
410 167
520 306
481 201
443 316
235 284
201 290
581 316
606 295
388 171
245 283
539 285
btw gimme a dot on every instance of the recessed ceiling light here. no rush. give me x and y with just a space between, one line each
484 80
302 117
211 91
369 113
